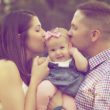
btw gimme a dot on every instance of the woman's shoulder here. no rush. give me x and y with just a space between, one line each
7 65
8 69
4 62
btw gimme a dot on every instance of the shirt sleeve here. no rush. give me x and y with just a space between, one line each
102 94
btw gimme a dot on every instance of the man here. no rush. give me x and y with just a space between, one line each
90 33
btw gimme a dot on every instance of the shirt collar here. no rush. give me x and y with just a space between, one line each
60 64
64 64
98 59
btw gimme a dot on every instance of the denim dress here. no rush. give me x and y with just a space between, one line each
66 79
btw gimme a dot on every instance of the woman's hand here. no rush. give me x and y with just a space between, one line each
41 60
39 70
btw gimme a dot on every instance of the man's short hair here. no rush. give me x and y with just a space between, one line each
95 8
98 12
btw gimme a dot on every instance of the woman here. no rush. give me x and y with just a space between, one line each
21 39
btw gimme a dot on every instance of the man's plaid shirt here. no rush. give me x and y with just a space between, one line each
94 92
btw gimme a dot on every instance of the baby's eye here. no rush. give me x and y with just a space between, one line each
62 47
52 50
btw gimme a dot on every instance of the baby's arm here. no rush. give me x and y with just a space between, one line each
81 62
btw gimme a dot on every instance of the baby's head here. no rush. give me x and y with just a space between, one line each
57 43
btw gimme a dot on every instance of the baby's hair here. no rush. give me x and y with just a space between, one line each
56 32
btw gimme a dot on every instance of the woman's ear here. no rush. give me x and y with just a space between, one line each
95 35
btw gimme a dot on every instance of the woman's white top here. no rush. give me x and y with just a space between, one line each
24 87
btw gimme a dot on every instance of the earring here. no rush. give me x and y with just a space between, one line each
19 36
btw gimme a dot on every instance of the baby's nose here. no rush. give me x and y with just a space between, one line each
58 52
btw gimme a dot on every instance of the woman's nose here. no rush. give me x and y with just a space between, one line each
43 32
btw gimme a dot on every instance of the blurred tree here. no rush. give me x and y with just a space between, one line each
52 13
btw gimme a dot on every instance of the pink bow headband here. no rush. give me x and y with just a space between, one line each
50 34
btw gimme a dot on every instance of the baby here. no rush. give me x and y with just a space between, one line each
68 68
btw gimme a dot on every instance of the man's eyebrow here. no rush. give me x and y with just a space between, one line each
38 26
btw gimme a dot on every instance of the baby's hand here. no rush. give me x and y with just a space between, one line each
73 50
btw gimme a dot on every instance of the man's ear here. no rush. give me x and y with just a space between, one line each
95 35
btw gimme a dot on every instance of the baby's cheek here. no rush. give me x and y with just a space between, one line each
52 57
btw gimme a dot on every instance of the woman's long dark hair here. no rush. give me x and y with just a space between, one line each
13 34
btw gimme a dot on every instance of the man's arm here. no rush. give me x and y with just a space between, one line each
102 94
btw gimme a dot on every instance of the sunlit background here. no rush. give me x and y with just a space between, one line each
52 13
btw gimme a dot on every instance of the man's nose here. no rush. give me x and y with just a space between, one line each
69 34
